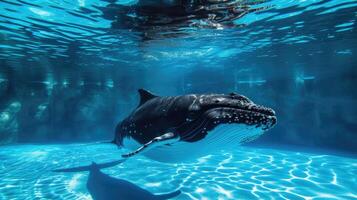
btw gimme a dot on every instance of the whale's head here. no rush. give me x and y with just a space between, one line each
232 116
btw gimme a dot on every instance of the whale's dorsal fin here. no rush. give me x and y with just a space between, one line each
145 96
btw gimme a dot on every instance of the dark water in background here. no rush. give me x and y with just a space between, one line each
68 75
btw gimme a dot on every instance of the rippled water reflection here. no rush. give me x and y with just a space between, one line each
60 30
247 173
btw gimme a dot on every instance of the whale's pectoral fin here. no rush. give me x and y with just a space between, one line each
164 139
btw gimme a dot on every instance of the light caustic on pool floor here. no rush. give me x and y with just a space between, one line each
246 173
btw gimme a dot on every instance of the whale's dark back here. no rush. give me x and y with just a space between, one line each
154 118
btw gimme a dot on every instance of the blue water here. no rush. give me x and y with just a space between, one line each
70 71
66 74
246 173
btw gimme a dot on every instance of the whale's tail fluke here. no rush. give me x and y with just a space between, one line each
90 167
168 195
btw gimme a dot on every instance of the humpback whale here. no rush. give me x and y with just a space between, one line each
179 128
104 187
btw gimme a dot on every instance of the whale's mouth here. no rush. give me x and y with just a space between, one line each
257 117
252 115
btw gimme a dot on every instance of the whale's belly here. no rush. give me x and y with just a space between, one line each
223 137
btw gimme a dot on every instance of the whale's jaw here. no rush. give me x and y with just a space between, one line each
254 119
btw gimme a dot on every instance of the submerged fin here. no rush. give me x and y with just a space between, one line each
145 96
89 167
169 195
164 139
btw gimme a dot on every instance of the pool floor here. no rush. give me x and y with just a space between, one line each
246 173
